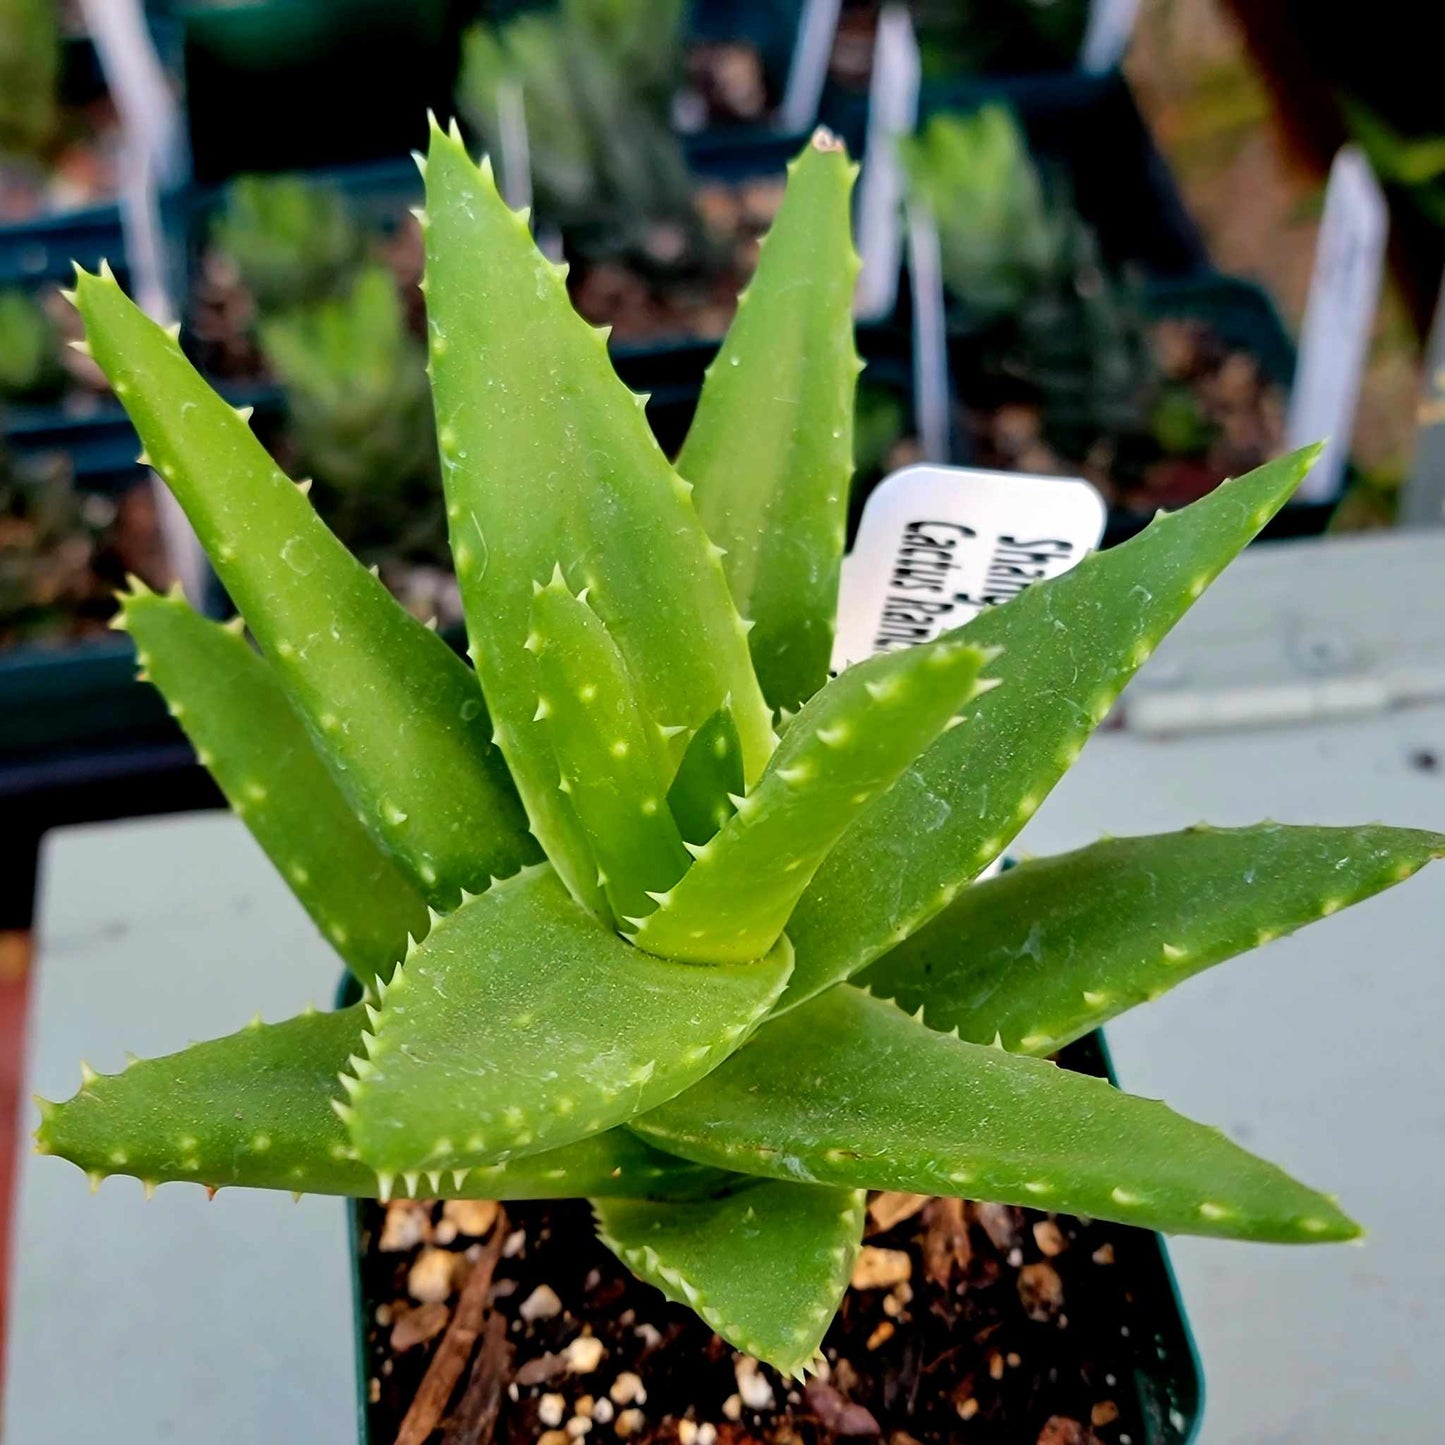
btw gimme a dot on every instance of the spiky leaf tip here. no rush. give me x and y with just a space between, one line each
1070 645
770 449
521 1024
765 1265
391 709
255 1109
841 753
1057 946
849 1090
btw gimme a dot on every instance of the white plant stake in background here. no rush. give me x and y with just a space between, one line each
892 112
154 158
1107 35
817 28
1335 337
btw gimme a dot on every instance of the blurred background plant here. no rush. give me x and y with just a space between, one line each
291 240
595 80
1060 364
59 131
30 365
360 417
65 550
29 74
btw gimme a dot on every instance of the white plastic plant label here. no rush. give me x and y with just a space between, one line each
1339 314
1422 500
937 545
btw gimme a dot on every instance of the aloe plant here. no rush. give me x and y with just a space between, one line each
616 939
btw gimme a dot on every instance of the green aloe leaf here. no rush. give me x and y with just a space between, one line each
230 705
1055 947
396 716
849 1090
255 1109
771 447
547 458
709 777
608 754
521 1024
1070 645
765 1266
848 745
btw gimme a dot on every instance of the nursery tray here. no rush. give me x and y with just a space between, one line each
72 713
98 437
1164 1378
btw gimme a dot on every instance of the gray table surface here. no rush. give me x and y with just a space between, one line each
1322 1050
176 1319
183 1320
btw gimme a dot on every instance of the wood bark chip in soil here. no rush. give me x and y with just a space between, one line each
995 1324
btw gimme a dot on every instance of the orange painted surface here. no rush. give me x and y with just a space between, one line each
14 988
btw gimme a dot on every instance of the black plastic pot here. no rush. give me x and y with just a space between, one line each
282 84
59 697
1165 1380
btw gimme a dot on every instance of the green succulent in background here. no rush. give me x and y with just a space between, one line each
291 239
880 419
596 79
1040 309
360 416
1001 236
617 938
1414 163
30 366
29 72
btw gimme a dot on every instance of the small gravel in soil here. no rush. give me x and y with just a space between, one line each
947 1340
